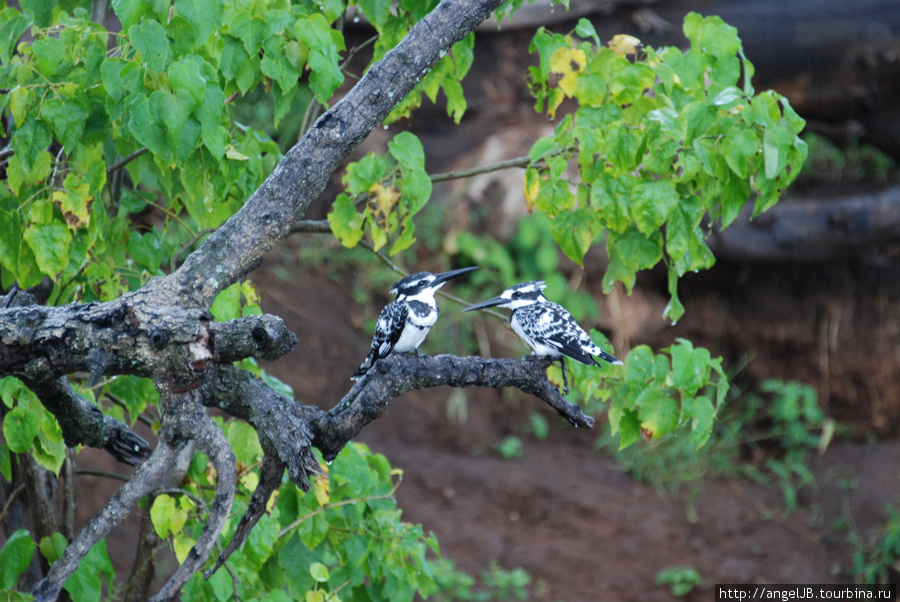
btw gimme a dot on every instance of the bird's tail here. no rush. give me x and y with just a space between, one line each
610 358
363 368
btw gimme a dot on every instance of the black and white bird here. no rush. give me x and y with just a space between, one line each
404 323
546 326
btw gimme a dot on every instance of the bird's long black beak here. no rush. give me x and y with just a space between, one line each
484 304
445 276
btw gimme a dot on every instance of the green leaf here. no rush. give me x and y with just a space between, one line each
658 412
120 77
203 15
50 245
651 204
20 427
12 25
313 531
249 75
186 74
690 367
146 249
740 146
29 142
233 56
248 29
5 462
772 155
149 39
49 53
319 572
376 11
86 583
15 557
209 112
573 232
408 150
276 65
585 29
53 546
554 198
625 422
674 308
41 9
147 129
326 74
244 442
67 118
130 11
166 516
10 235
702 416
346 222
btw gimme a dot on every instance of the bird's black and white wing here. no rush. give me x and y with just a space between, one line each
552 328
387 332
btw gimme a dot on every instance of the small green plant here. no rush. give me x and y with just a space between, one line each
799 426
681 579
511 448
873 563
495 583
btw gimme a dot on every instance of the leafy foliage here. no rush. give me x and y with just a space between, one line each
660 142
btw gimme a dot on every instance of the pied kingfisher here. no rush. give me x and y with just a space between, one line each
404 323
546 326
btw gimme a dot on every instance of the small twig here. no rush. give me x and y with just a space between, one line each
187 246
125 160
233 97
474 171
329 506
317 226
10 500
387 261
351 54
178 491
102 473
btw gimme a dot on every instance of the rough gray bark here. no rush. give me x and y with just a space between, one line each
163 332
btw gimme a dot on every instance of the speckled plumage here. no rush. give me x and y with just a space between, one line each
404 323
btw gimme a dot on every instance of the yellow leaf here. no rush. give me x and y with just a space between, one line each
250 292
273 499
74 202
623 44
554 99
182 545
568 62
250 480
233 153
322 489
385 199
532 188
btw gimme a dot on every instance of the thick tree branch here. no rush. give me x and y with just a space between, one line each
270 474
282 424
399 374
147 478
812 230
192 423
235 248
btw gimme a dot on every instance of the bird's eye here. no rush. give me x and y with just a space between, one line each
517 294
423 282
